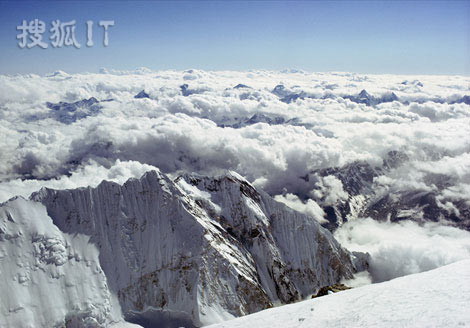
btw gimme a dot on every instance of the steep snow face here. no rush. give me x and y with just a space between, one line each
49 279
293 254
198 250
437 298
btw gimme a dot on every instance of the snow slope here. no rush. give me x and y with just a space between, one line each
48 278
436 298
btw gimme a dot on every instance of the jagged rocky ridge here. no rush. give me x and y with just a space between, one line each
199 249
68 113
366 200
237 123
287 96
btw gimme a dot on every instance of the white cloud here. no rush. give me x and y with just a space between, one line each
330 190
91 174
398 249
309 207
176 132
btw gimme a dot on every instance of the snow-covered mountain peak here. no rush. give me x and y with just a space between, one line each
198 249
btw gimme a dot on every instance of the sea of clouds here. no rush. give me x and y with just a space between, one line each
403 248
204 122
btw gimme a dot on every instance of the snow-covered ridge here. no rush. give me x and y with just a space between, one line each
199 249
49 278
436 298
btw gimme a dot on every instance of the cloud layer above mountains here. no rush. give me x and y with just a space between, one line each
219 123
399 249
284 131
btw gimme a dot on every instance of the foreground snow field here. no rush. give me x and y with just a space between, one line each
437 298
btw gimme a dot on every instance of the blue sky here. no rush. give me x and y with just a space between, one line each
402 37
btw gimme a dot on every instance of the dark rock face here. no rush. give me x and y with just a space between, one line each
280 91
414 82
142 95
184 90
293 97
262 118
287 96
418 205
366 98
356 177
187 91
68 113
463 100
331 289
363 98
394 159
256 118
241 86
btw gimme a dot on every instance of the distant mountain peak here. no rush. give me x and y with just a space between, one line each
241 86
199 242
142 94
364 94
